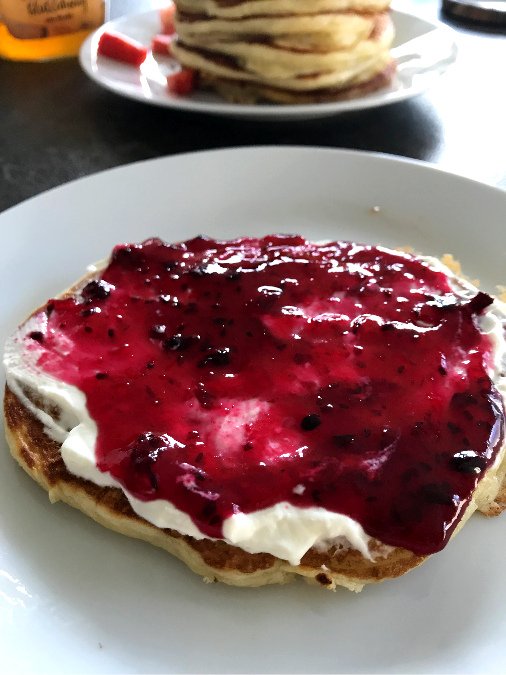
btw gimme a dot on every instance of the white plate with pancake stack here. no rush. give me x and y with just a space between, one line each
423 50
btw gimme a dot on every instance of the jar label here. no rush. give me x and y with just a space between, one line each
33 19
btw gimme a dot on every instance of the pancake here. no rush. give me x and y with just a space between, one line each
284 51
35 415
248 93
40 457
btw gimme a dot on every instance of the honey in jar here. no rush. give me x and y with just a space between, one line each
39 30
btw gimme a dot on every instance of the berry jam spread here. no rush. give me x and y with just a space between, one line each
226 377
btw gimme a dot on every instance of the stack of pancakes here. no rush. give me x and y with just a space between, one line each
286 51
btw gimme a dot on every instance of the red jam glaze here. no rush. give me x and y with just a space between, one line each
228 376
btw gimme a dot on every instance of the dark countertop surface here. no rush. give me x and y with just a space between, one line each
57 125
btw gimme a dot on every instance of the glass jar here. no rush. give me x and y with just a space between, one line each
38 30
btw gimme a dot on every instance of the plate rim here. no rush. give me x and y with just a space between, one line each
362 155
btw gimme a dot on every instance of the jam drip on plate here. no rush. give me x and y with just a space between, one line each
226 377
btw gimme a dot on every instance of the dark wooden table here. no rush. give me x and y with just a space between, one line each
57 125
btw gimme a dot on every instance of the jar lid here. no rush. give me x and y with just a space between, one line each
486 12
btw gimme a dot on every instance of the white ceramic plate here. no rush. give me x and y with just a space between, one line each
423 51
75 597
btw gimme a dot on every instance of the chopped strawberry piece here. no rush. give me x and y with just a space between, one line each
121 48
162 44
167 16
183 82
